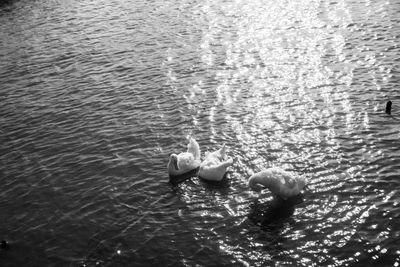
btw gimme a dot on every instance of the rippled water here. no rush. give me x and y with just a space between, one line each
95 95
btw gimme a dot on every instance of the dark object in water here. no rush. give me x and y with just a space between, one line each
389 107
4 245
274 213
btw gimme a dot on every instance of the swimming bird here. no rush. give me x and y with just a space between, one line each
185 162
214 165
281 183
389 107
4 245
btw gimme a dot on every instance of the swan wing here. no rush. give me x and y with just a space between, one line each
193 148
290 182
213 169
222 152
186 161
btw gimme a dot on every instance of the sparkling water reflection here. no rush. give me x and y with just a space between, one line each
95 96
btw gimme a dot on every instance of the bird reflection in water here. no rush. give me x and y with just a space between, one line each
275 212
222 186
177 179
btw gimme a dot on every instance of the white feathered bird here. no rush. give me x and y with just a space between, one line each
281 183
215 165
185 161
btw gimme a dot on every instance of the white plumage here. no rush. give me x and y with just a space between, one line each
280 182
215 165
185 161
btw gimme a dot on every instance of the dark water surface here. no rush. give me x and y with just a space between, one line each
95 95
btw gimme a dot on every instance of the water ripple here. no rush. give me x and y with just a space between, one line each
95 98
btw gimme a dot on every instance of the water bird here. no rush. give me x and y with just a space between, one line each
215 164
4 245
281 183
185 162
389 107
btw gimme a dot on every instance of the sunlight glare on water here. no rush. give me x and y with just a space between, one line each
97 95
285 69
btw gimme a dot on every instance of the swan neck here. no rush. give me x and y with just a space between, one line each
257 179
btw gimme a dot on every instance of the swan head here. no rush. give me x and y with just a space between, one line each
173 162
259 181
255 186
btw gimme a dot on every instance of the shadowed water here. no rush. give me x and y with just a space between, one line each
95 96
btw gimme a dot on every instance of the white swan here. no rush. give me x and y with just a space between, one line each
185 161
215 164
281 183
